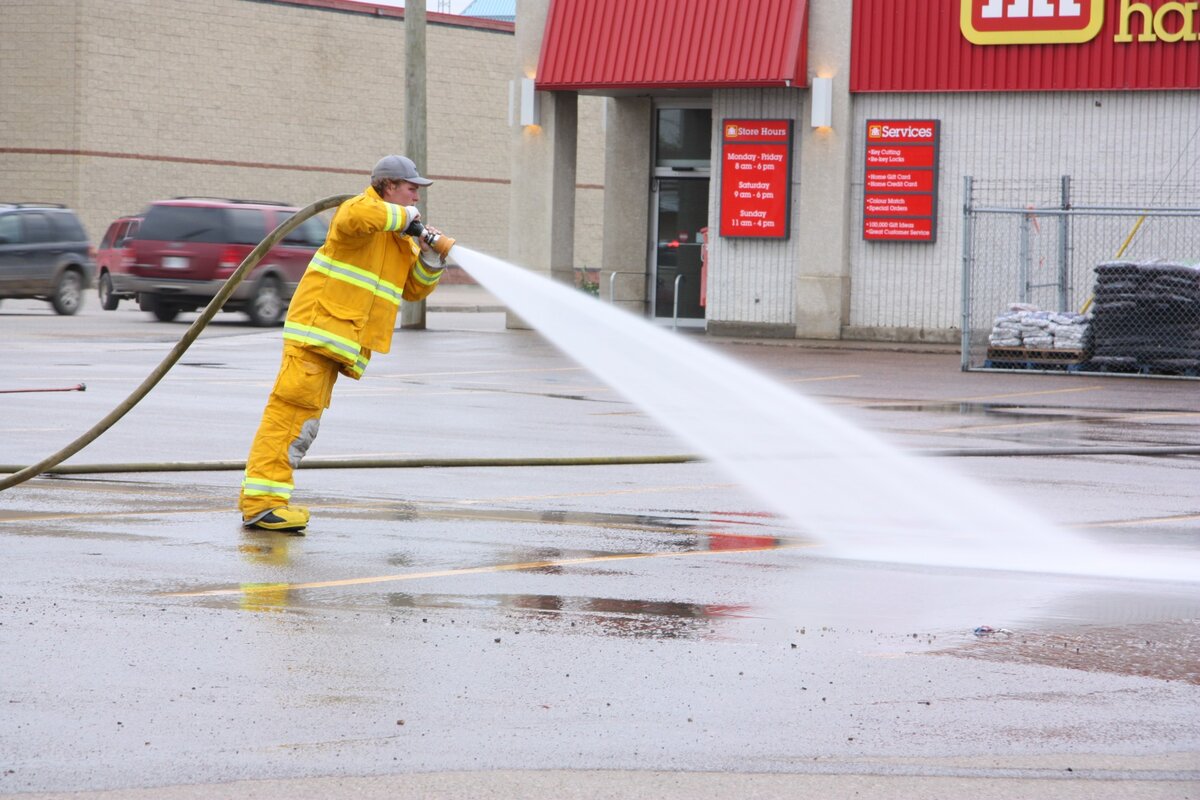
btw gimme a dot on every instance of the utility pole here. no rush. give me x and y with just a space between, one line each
412 315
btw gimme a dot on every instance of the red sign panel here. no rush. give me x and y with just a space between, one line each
894 180
908 205
900 185
900 155
756 173
897 230
1024 45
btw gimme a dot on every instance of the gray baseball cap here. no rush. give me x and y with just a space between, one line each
398 168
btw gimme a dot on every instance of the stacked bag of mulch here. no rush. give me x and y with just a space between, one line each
1024 325
1006 330
1147 316
1069 330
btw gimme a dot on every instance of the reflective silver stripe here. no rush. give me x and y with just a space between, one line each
344 272
260 486
356 276
389 291
424 276
396 217
305 334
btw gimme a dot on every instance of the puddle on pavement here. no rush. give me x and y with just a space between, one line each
611 616
1081 625
1029 414
271 555
675 522
1168 651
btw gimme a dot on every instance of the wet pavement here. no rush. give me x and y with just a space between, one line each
598 631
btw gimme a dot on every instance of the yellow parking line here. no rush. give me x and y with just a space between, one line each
410 576
821 378
1129 523
608 493
1000 426
1022 394
1100 417
404 375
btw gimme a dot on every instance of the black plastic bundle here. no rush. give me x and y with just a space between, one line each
1146 317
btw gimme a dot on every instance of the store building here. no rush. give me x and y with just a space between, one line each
592 133
823 146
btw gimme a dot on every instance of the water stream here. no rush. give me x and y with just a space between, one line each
858 496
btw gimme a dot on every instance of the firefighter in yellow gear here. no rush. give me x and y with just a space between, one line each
344 309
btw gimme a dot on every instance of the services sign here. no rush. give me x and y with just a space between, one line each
900 186
756 178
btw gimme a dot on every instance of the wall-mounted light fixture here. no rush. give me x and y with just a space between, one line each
822 102
530 105
523 103
525 107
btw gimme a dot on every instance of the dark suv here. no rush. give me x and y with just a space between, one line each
44 253
186 248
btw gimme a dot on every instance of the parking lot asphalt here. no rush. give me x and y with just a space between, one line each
626 630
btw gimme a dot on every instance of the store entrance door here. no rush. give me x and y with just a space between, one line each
683 138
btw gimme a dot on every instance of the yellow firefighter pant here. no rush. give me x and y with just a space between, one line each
289 424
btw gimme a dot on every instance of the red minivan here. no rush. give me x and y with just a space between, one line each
114 257
186 248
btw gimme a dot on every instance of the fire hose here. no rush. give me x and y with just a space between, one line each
248 263
50 464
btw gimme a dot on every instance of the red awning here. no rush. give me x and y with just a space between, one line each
602 45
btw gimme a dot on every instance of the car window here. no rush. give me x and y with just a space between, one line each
310 233
36 228
10 229
110 235
184 224
128 231
249 225
67 228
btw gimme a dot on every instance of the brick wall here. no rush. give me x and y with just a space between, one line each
110 104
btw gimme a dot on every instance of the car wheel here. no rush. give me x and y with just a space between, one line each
104 288
267 306
68 293
165 312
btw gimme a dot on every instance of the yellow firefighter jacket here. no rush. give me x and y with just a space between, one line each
345 305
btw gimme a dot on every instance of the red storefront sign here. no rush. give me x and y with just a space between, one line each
900 185
1024 45
908 205
756 172
894 180
899 230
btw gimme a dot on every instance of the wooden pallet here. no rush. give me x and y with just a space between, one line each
1030 357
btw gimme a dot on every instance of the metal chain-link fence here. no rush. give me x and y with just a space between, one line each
1081 288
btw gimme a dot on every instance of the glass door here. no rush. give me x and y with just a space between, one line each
682 158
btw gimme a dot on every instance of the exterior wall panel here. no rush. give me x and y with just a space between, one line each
753 281
1119 148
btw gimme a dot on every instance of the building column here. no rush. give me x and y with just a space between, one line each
823 275
626 202
541 233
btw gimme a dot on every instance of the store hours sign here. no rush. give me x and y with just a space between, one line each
756 178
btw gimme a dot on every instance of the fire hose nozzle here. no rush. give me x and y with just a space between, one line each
439 242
